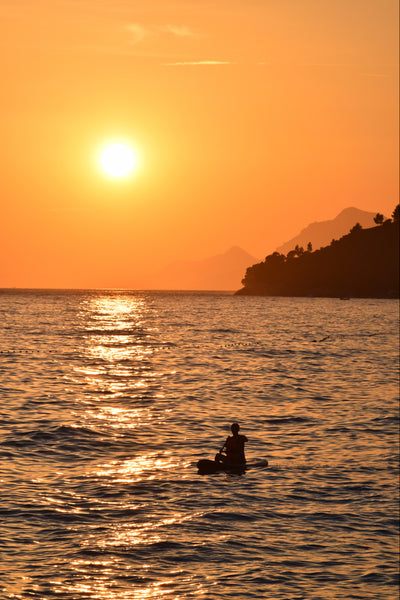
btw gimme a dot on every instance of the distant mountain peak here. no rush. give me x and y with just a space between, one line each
320 233
219 272
354 213
236 251
350 210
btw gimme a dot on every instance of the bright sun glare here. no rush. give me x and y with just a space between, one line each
118 160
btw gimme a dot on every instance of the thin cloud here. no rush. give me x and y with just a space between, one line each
178 30
379 75
199 63
138 32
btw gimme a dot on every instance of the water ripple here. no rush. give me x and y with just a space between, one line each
110 398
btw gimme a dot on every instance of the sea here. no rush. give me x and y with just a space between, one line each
110 397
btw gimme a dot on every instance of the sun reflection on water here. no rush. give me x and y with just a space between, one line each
118 345
120 384
101 589
136 469
119 324
129 418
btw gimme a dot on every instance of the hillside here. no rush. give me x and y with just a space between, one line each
321 233
363 263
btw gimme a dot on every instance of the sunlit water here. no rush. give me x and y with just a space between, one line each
108 399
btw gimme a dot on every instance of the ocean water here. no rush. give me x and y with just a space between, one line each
108 399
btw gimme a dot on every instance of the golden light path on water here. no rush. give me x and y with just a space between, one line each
117 360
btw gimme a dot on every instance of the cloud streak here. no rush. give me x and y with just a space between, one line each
139 32
196 63
178 30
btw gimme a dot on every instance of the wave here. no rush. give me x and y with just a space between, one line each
280 420
222 330
138 332
68 439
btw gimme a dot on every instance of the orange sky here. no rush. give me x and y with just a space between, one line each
250 119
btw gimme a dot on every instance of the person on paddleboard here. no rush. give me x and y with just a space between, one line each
234 448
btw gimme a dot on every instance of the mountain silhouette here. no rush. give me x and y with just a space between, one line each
220 272
321 233
362 264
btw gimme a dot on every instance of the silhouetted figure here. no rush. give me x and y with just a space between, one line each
234 448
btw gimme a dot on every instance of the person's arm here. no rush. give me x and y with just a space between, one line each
224 444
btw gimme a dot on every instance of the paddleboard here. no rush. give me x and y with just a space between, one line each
207 467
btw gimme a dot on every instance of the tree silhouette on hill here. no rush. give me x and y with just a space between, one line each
363 263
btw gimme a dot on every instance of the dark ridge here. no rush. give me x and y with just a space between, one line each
362 264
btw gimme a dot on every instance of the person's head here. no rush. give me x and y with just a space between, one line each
235 428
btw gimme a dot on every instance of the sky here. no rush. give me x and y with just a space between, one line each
249 119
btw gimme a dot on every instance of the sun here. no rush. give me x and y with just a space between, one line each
118 160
